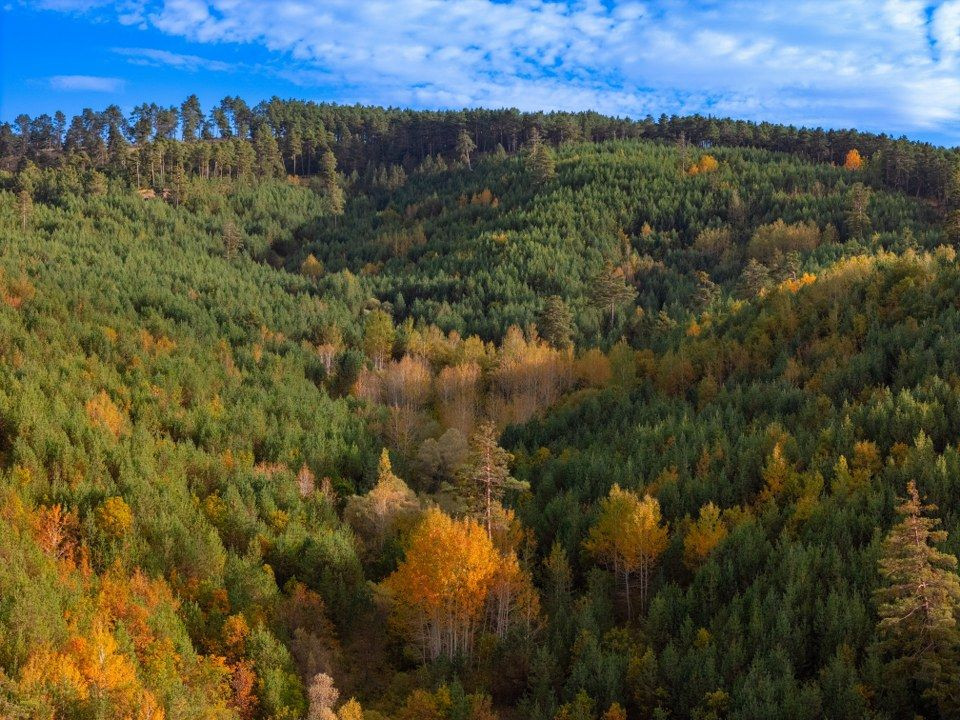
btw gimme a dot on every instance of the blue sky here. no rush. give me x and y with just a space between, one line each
881 65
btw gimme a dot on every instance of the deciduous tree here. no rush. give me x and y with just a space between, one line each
629 536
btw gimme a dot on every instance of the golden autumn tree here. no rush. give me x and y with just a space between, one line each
629 536
706 164
441 587
114 518
703 535
853 161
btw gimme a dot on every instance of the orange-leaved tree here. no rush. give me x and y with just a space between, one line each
441 587
853 161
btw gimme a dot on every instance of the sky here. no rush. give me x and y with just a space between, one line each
888 66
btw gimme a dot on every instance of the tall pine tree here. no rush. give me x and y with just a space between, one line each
917 603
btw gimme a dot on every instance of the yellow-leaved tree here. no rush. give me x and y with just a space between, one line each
629 537
440 589
703 536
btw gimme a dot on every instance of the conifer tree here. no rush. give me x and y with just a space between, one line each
465 146
857 217
191 118
952 225
707 290
754 278
540 161
267 152
608 290
556 322
917 603
485 476
384 509
25 208
178 185
330 179
232 240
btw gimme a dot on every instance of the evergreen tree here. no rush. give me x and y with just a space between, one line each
465 146
330 179
857 216
540 163
178 185
790 267
26 184
754 279
24 208
267 152
485 476
608 290
707 290
191 118
917 603
232 240
952 224
556 322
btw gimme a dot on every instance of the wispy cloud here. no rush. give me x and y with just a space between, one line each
879 64
86 83
192 63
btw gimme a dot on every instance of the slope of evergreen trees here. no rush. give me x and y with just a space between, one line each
328 412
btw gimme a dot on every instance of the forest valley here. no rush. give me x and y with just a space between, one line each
346 413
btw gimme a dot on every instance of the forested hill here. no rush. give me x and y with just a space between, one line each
321 412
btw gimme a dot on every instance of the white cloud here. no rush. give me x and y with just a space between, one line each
153 56
878 64
88 83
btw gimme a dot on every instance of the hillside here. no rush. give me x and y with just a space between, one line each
474 415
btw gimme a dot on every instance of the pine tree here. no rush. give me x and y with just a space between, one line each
269 163
707 290
556 322
388 505
857 217
191 118
24 207
178 185
540 161
465 146
485 476
232 240
608 290
917 603
754 279
790 267
952 224
330 180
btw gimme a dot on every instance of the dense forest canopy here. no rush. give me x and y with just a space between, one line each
315 411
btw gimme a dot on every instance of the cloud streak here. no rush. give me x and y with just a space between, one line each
180 61
878 64
86 83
